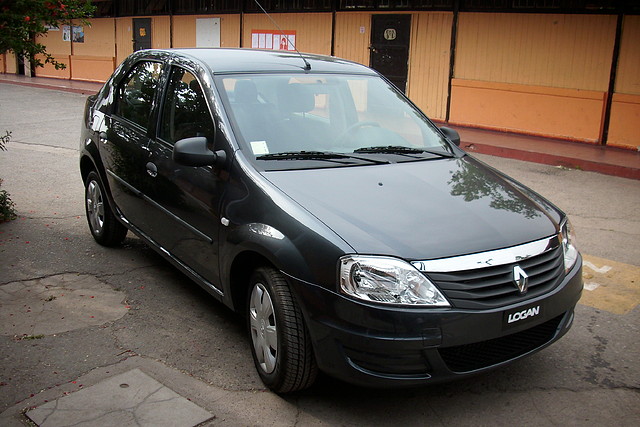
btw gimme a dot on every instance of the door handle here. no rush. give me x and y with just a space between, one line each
152 170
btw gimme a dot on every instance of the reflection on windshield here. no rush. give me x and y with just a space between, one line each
473 183
323 113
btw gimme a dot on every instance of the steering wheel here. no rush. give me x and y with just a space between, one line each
351 129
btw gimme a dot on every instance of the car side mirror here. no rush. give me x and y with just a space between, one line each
452 134
194 152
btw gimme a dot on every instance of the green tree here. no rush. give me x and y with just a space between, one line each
21 21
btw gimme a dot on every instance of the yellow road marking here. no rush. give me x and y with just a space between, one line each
610 285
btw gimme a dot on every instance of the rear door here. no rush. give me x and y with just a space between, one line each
390 36
186 200
125 143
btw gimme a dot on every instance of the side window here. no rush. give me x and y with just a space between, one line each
185 112
137 91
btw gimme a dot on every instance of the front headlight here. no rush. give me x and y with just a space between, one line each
568 241
388 281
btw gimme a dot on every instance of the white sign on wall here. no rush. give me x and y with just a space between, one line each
207 32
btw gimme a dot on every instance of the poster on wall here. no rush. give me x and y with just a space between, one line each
76 33
273 40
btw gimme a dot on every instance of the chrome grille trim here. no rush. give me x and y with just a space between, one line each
488 259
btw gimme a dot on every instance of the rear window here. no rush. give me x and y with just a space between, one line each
137 93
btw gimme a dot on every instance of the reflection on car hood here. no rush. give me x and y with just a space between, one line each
418 210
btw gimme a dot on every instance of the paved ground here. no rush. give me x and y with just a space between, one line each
118 333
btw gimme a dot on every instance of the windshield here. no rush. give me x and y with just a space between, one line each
319 114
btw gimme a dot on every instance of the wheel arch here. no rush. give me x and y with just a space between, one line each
242 267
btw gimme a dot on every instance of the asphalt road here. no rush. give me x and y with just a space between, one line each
590 377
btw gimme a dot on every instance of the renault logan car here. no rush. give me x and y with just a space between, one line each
310 195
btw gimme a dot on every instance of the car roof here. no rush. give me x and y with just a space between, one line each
224 61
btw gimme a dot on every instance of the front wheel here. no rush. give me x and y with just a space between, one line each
281 345
104 226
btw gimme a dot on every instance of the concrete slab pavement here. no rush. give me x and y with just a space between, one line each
129 399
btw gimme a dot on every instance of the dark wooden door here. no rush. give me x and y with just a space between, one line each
141 33
390 35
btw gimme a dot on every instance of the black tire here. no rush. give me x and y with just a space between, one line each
104 226
280 342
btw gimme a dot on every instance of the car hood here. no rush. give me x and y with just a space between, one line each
418 210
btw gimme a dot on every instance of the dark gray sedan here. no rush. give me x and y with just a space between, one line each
310 195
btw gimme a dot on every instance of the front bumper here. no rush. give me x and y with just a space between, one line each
381 346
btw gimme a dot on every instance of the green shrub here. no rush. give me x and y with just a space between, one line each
7 211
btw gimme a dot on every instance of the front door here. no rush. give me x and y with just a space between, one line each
186 199
390 35
141 33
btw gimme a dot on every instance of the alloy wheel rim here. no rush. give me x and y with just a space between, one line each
264 332
95 206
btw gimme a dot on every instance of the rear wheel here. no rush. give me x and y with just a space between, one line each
280 342
104 226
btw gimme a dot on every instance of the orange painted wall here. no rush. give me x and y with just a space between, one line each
429 53
624 126
429 59
628 76
124 38
313 30
93 60
10 63
568 51
60 50
526 56
160 32
353 36
546 111
184 30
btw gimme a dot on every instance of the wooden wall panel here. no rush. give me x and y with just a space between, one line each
429 59
184 30
628 75
555 112
230 31
567 51
624 126
313 30
160 32
10 63
54 43
124 38
60 50
99 38
353 36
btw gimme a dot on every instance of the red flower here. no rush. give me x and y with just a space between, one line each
27 19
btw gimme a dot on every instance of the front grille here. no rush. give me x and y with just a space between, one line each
469 357
491 287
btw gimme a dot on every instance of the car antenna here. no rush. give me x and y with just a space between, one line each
307 66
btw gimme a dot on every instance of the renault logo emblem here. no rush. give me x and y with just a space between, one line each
521 279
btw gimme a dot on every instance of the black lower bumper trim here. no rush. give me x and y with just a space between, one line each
471 357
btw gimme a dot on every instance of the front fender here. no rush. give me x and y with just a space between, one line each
267 242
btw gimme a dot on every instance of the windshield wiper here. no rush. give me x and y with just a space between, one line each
398 149
314 155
